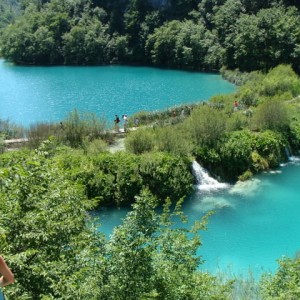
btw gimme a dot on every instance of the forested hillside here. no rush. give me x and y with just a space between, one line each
8 10
186 34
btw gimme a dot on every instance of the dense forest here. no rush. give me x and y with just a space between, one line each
190 34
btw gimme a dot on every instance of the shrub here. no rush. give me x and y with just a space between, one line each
271 146
284 284
166 175
280 80
76 127
258 162
40 132
206 125
173 140
245 176
11 130
272 115
95 146
140 141
236 153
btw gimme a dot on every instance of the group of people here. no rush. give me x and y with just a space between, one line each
117 122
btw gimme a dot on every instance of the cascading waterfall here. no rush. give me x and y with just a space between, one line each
290 157
204 181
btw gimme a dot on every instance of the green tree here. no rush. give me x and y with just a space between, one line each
265 40
43 231
148 259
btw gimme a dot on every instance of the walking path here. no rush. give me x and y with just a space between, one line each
16 141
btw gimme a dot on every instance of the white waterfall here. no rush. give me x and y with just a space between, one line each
204 181
290 157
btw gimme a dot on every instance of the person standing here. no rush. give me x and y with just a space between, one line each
235 105
125 119
117 121
7 276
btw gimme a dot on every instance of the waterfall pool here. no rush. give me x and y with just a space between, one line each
255 222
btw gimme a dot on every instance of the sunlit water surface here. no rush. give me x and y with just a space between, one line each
38 94
256 222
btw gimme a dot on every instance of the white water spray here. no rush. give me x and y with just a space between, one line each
204 181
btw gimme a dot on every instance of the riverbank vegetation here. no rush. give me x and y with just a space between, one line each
186 34
57 251
45 194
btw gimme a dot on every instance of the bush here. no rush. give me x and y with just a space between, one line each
77 127
172 139
236 154
140 141
206 126
40 132
245 176
10 130
166 175
271 146
272 115
2 144
95 146
284 284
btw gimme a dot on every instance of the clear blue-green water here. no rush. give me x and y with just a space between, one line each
46 94
256 222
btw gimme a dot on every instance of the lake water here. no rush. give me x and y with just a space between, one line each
256 222
37 94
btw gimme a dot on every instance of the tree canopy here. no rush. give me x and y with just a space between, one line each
190 34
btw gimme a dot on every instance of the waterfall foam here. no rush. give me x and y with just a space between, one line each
204 181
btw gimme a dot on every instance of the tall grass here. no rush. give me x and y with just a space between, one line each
76 130
10 130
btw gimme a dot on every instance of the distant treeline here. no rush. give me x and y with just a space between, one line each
185 34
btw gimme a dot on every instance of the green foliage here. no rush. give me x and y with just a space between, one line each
43 230
284 284
172 139
237 122
246 151
2 144
271 146
171 173
181 44
265 40
9 10
190 34
236 153
150 260
140 141
56 253
206 126
95 147
245 176
77 127
115 179
39 132
271 115
295 135
11 130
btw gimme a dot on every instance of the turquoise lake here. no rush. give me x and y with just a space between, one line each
45 94
256 222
